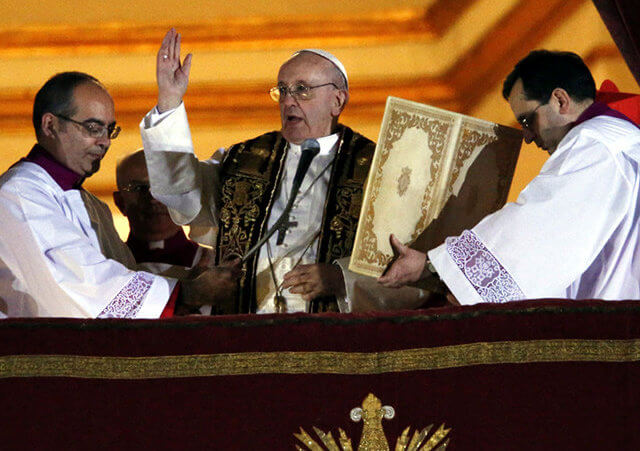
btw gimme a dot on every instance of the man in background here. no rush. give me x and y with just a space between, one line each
153 236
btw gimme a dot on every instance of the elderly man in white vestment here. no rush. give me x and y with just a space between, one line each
231 199
59 252
573 232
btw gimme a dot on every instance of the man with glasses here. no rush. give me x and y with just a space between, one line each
153 236
59 252
574 231
230 202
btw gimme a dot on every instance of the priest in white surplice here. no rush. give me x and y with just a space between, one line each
231 199
59 252
573 232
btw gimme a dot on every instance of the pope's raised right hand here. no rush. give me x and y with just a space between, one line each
171 75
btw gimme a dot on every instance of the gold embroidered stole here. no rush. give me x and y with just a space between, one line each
251 174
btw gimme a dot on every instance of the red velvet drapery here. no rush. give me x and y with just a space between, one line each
527 375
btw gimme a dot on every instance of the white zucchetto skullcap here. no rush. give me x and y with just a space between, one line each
326 55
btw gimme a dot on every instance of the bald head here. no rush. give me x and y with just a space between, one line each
131 167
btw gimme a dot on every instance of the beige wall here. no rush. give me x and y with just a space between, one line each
369 60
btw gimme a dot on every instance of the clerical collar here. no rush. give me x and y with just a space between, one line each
177 250
600 109
327 144
172 243
63 176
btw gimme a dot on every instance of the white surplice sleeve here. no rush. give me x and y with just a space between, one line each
539 245
51 262
187 186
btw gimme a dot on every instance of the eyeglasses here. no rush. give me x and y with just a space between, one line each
299 91
95 129
526 121
137 188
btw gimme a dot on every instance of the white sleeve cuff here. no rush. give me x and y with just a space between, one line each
156 116
157 297
168 131
453 277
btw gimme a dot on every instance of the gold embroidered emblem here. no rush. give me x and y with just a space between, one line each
403 181
263 153
373 437
241 193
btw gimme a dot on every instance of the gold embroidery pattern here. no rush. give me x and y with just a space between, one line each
471 137
321 362
373 437
247 170
250 171
439 131
343 223
239 213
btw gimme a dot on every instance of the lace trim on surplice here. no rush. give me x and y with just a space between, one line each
489 278
128 301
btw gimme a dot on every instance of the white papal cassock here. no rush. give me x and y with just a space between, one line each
572 233
61 256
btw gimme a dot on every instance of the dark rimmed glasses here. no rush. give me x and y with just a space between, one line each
526 121
95 129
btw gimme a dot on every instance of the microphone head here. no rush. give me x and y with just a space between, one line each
310 146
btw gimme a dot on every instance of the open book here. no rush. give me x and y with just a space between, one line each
434 174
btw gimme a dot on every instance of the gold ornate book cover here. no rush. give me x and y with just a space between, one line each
434 173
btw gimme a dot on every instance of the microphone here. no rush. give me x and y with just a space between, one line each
310 148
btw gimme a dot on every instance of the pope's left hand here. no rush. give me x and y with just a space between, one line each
313 281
